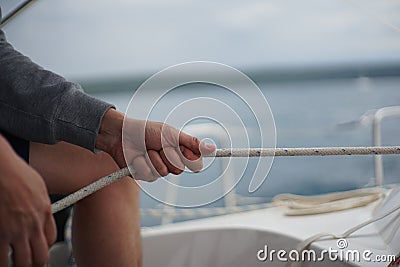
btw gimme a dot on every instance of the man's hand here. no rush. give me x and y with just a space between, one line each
26 221
153 149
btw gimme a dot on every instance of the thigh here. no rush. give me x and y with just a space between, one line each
67 168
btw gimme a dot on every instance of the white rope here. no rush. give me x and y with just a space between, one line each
88 190
237 152
308 205
296 204
316 151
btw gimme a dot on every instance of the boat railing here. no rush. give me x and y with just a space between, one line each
215 133
377 117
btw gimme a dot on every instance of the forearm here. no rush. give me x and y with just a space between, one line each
39 105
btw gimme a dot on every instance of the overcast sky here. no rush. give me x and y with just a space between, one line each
93 38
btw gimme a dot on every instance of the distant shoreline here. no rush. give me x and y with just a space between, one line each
273 75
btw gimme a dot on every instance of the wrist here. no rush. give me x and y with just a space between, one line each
110 132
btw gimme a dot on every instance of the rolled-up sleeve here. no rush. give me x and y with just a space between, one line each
39 105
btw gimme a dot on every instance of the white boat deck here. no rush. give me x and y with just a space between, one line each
278 231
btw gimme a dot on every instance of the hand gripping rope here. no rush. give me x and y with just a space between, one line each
234 152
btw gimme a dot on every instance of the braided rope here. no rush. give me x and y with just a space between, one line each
317 151
236 152
88 190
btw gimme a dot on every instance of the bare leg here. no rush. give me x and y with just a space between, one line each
106 225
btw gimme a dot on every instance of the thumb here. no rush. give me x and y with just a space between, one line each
206 148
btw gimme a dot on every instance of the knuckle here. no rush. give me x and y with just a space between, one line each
25 223
47 211
41 207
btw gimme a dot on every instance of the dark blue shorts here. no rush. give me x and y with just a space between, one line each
20 146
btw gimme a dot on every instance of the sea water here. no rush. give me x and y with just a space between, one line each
308 113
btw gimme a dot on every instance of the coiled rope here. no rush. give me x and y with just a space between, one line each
328 236
236 152
295 205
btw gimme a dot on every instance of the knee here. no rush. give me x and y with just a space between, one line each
102 165
105 165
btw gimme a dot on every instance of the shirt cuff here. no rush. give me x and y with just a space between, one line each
78 118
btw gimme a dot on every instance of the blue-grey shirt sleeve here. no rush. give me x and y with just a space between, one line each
39 105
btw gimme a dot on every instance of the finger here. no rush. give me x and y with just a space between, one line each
157 163
153 170
4 251
190 142
195 145
40 250
172 160
189 155
22 256
192 161
50 230
142 170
